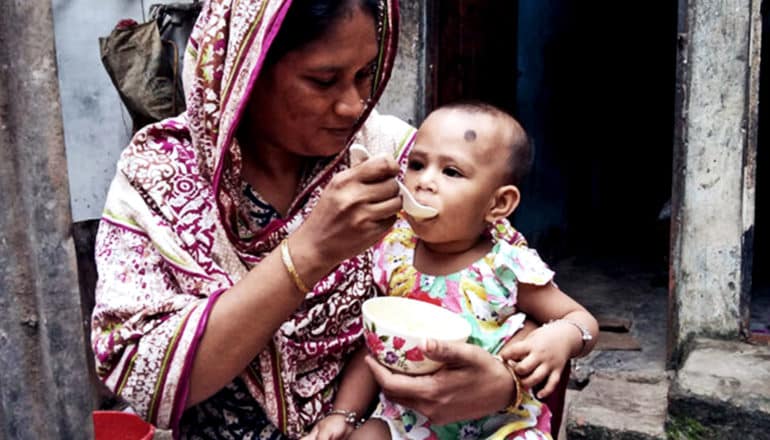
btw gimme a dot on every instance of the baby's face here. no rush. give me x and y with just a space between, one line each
456 165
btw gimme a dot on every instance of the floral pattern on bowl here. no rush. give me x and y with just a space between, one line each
394 352
394 327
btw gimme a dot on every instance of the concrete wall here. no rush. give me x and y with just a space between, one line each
44 387
405 94
96 127
714 168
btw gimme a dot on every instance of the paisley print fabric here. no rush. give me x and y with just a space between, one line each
179 229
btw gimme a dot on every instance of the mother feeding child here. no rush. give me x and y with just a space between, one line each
234 251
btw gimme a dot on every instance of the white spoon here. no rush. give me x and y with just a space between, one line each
411 205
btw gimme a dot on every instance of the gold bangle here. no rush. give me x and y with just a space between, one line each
289 265
510 365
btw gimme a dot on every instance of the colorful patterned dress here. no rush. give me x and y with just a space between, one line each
485 295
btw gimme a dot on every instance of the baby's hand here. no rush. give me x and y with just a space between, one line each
542 355
331 427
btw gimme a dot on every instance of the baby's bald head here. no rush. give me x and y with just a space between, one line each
514 143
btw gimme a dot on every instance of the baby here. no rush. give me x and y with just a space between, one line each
467 162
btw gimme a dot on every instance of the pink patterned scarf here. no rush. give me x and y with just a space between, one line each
168 244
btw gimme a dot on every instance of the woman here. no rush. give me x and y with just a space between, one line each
233 254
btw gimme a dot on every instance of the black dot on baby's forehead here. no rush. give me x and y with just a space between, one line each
470 135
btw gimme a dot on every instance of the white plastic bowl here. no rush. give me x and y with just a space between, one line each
395 326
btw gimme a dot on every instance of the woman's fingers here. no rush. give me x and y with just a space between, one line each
470 384
451 352
393 385
376 169
355 210
376 192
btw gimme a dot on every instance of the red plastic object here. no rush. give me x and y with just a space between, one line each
118 425
126 23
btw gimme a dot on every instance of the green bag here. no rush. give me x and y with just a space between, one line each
144 61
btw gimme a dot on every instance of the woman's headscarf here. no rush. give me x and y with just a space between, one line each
169 245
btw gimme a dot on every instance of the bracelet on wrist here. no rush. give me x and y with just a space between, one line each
585 334
351 417
288 263
518 395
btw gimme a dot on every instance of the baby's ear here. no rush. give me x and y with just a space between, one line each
503 202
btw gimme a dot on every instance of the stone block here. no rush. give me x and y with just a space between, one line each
722 391
620 406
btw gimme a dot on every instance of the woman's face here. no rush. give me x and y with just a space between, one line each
308 102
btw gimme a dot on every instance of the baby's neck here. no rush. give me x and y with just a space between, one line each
444 260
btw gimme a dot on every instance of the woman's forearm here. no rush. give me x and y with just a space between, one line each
244 319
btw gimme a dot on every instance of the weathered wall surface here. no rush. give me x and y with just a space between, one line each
714 166
405 93
44 387
96 127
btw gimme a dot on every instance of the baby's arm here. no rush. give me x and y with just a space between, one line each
544 353
356 392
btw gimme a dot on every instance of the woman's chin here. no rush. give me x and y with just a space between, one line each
327 149
334 140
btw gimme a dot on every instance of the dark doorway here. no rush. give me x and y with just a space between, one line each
593 84
760 295
471 52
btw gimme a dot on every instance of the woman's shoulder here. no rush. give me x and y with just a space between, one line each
163 137
385 134
161 149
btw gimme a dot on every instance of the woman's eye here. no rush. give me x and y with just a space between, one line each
366 73
323 83
414 165
452 172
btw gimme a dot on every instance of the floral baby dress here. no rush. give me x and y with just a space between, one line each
485 295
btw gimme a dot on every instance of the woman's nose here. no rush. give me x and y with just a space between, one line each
351 103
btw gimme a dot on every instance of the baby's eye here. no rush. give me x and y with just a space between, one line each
452 172
415 165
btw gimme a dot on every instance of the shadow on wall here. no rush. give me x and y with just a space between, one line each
761 263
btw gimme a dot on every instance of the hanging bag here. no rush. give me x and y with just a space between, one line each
144 61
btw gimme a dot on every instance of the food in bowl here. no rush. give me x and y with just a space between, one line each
394 327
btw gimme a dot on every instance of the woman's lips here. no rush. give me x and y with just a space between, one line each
340 132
